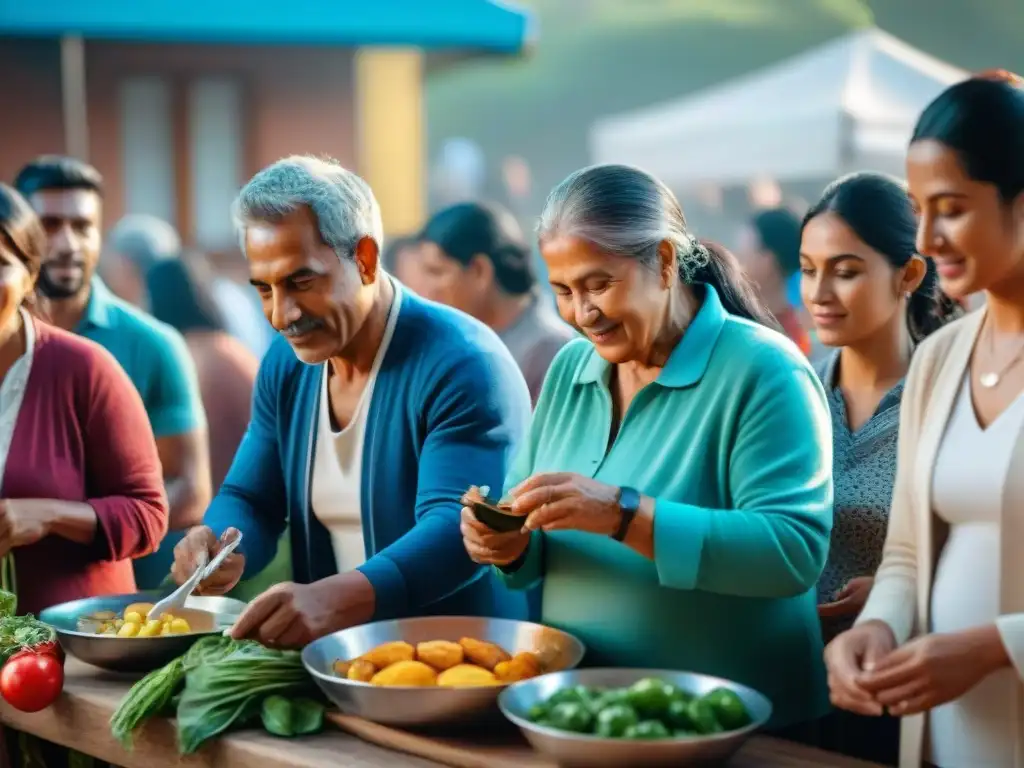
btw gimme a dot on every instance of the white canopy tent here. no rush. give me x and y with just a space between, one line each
849 104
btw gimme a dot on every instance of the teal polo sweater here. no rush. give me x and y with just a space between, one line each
733 441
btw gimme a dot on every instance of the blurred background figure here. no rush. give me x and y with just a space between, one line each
402 262
238 303
178 293
67 195
474 257
770 252
132 247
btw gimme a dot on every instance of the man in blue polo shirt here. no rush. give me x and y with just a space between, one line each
67 195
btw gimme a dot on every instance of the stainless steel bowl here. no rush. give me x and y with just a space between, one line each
131 654
574 750
407 706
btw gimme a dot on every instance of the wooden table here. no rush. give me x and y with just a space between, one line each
80 720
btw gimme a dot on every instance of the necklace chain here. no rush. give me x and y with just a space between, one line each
992 379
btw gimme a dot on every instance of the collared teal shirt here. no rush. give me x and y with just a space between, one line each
733 441
156 359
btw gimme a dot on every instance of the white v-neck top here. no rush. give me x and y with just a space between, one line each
978 730
338 461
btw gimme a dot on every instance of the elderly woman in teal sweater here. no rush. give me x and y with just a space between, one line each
676 486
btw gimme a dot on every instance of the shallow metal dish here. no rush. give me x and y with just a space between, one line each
132 654
404 706
574 750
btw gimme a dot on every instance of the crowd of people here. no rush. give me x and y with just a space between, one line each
696 492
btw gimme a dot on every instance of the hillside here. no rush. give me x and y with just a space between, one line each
598 57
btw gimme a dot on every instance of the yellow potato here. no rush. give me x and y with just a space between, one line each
486 655
361 671
522 666
131 617
179 627
406 673
385 655
165 629
150 629
341 668
466 675
128 629
440 654
142 609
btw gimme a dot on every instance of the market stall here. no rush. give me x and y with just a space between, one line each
80 720
849 104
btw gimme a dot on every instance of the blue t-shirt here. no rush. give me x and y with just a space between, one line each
156 359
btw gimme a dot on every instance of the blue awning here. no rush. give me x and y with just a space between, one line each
488 25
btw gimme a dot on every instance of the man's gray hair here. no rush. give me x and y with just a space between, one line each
344 206
144 240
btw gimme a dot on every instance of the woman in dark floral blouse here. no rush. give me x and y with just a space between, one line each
873 298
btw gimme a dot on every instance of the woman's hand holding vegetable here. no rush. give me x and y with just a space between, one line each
561 501
200 540
293 615
489 547
564 501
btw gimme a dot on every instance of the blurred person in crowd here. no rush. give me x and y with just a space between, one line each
373 412
67 195
672 522
473 257
239 304
873 299
770 253
940 642
131 248
81 488
179 294
401 259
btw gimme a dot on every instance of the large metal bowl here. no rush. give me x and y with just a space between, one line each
574 750
417 707
132 654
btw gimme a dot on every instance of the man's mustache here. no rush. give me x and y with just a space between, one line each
304 324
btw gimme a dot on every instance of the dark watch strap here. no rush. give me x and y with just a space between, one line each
629 502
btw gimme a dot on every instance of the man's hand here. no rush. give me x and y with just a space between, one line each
293 615
23 522
201 540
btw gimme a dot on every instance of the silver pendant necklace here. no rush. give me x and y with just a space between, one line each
991 379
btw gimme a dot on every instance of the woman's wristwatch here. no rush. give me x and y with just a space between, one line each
629 502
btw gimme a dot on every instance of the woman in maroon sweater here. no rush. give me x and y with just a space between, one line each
80 481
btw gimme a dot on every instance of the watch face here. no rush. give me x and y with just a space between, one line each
629 499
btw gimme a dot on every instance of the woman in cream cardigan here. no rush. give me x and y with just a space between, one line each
941 639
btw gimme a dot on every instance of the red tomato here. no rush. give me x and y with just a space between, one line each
31 681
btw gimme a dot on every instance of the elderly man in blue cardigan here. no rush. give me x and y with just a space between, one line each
373 412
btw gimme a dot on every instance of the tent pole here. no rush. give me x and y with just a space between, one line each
72 72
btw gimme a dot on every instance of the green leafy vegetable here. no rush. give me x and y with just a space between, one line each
221 683
277 715
19 633
307 716
299 717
